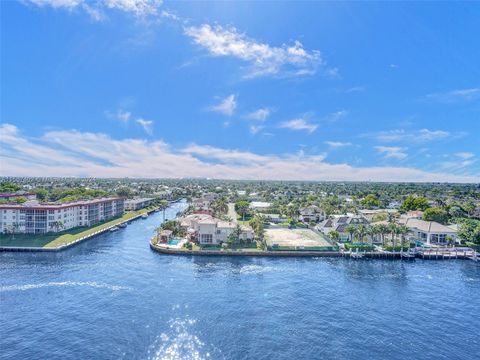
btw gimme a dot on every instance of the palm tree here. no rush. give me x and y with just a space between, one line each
402 230
334 235
163 206
372 232
393 229
382 230
351 230
361 232
56 225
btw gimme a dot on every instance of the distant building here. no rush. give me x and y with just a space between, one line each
137 204
275 218
371 214
312 213
11 196
32 217
259 205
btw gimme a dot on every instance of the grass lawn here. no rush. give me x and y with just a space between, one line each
64 237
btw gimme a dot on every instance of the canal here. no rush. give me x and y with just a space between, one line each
112 297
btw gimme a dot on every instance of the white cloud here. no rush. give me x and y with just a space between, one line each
355 89
337 115
147 125
227 106
421 135
465 155
73 153
138 8
392 152
254 129
337 144
262 58
455 95
259 114
299 124
123 116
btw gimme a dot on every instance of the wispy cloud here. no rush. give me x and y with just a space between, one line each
337 144
262 58
422 135
355 89
465 155
392 152
95 9
74 153
254 129
299 124
259 114
337 115
455 95
226 107
147 125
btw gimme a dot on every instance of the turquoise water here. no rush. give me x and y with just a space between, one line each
173 242
114 298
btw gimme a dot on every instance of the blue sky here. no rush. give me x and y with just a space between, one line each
273 90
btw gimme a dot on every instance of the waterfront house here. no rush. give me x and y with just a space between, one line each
339 223
165 235
206 230
312 213
430 232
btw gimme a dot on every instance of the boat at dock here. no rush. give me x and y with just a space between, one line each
144 216
115 228
123 225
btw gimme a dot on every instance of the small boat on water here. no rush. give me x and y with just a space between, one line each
144 216
123 225
115 228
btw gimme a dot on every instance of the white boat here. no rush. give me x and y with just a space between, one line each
123 225
115 228
144 216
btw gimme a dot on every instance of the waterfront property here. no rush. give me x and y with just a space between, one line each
137 203
339 223
204 229
33 217
296 239
430 232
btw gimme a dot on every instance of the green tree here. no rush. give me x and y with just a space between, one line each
351 230
436 214
42 194
334 235
242 207
469 230
415 203
370 201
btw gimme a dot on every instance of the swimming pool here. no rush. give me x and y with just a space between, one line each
173 242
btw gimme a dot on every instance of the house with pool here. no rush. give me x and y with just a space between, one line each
204 229
430 232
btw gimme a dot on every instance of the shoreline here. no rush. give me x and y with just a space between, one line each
72 243
311 254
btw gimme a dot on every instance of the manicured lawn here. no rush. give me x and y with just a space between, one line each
65 237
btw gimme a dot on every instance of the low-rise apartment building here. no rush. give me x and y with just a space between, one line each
33 217
137 204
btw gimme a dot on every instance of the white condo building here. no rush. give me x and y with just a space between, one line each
32 217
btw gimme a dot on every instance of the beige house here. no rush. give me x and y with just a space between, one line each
312 213
430 232
206 229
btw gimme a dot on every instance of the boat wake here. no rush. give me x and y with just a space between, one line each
91 284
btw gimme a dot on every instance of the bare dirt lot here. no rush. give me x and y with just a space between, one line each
294 238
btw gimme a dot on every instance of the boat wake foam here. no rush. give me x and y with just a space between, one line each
92 284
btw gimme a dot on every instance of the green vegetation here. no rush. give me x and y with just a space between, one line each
8 187
371 202
360 247
469 230
436 214
415 203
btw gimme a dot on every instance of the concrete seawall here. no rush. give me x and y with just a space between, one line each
163 250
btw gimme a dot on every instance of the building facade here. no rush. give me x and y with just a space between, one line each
137 204
32 217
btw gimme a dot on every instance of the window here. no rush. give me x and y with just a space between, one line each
206 238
